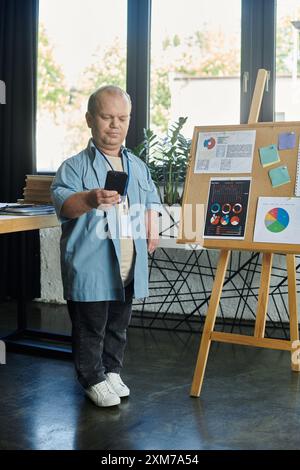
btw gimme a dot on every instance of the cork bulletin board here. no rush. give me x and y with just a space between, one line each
197 186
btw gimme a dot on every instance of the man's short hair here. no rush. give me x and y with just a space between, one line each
112 89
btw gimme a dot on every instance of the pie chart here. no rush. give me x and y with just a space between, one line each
277 220
209 143
235 220
215 219
225 220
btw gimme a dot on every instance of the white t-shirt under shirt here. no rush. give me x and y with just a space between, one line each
126 243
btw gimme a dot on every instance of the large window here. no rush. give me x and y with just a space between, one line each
82 45
287 93
195 62
198 51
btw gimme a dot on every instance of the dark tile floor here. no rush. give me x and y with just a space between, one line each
250 399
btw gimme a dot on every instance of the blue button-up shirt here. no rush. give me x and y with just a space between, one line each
90 244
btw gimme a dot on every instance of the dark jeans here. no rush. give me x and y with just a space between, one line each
99 336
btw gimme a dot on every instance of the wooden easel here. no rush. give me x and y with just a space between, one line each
258 339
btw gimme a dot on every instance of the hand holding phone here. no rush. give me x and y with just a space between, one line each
101 198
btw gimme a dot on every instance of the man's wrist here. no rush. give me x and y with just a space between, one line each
152 211
87 199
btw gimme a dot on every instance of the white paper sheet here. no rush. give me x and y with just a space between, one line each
277 220
225 152
4 204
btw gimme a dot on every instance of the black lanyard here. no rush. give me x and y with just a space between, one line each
110 165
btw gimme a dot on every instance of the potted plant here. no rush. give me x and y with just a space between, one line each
167 158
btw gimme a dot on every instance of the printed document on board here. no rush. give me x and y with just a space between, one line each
225 152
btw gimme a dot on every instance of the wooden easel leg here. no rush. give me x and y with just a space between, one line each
209 323
294 328
263 296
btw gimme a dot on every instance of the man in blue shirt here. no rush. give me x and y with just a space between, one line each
104 243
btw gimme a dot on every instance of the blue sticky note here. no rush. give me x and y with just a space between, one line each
269 155
286 140
279 176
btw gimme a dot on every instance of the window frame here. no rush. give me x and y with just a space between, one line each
258 49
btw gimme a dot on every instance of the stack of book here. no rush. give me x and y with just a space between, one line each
37 189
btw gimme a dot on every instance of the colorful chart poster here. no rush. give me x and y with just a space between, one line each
225 152
277 220
227 207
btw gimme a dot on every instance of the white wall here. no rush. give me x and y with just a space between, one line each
216 101
206 101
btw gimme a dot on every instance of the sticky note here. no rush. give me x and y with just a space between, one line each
286 140
279 176
269 155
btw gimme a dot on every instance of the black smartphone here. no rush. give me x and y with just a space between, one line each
116 181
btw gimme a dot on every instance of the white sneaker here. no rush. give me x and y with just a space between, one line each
102 394
117 384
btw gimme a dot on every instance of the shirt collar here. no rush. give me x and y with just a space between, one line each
92 150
